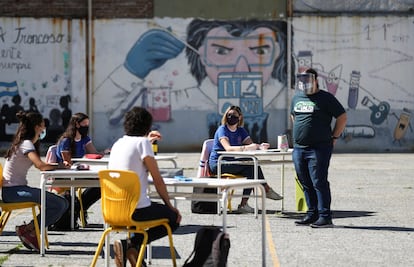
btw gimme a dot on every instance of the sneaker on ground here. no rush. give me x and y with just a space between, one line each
322 223
245 209
120 248
271 194
28 237
20 230
307 220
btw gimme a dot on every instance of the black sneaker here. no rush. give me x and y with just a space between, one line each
322 222
307 220
120 248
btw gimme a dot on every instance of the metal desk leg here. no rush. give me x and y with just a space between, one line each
282 183
42 214
219 177
263 192
256 176
72 206
224 200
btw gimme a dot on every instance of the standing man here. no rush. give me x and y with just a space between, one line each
312 111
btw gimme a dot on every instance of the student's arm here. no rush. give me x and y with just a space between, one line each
39 163
247 145
159 184
67 158
90 148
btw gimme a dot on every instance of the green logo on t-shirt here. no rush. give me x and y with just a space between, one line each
304 107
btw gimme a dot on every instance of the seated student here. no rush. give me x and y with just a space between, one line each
133 152
23 153
232 136
75 143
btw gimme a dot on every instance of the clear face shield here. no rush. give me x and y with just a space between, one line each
305 83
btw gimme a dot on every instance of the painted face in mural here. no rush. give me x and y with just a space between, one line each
222 52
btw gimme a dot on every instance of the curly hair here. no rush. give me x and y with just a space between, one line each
137 122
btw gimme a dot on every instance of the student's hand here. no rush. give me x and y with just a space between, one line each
67 164
264 146
252 146
178 214
154 136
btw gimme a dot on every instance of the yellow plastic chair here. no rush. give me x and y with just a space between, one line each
204 172
7 208
120 192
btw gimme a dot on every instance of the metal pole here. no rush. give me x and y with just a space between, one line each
89 88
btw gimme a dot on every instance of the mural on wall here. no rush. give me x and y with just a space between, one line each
367 63
35 73
200 67
187 71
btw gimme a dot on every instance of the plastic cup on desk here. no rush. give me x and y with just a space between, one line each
282 143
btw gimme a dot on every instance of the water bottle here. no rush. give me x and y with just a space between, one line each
155 147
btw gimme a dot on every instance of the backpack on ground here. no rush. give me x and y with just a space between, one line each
204 207
211 248
63 224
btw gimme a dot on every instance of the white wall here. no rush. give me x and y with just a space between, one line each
42 59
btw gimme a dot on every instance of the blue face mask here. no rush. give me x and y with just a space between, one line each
42 135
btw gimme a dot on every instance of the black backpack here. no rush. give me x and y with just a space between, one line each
204 207
63 224
211 248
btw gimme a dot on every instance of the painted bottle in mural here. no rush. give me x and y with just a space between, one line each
353 89
402 124
159 104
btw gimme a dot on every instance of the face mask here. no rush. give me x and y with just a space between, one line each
305 83
232 119
83 130
42 135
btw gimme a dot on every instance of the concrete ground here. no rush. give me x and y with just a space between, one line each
372 203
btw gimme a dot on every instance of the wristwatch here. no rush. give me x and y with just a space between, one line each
334 137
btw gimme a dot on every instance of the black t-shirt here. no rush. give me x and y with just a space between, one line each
313 116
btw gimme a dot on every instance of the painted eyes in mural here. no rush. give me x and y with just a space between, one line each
226 52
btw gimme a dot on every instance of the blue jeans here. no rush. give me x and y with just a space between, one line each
55 204
311 165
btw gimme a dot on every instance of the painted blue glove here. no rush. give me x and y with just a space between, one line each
151 51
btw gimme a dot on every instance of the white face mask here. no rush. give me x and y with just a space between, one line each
42 135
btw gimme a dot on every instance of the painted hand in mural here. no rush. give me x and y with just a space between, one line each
151 51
